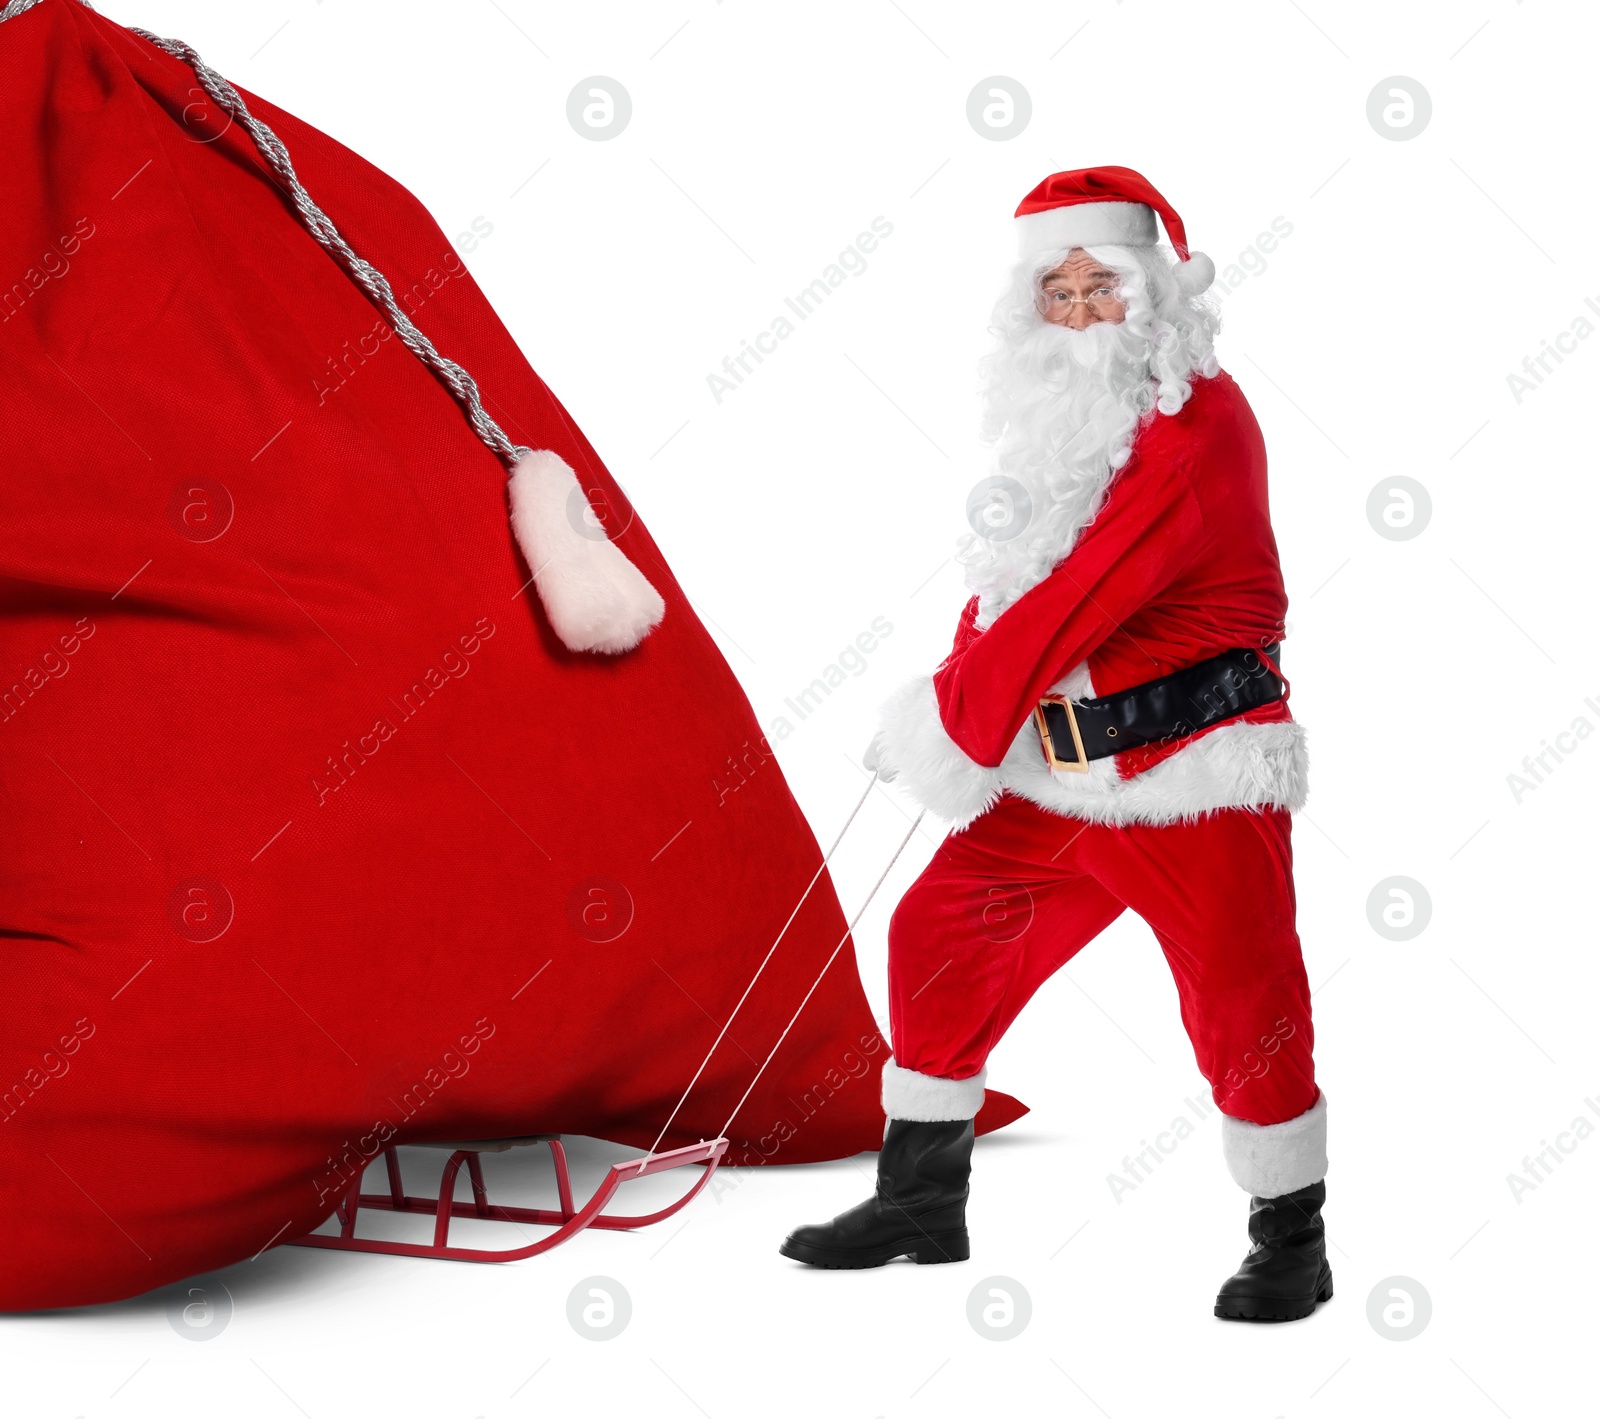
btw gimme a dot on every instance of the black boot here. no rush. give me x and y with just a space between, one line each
919 1208
1287 1271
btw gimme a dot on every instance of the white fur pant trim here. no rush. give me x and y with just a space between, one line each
925 1098
1268 1160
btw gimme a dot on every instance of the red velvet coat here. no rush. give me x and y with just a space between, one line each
1179 564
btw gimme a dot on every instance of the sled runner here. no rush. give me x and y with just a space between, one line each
568 1220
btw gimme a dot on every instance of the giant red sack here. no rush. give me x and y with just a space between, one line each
314 835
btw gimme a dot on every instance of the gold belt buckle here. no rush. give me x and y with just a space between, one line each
1067 765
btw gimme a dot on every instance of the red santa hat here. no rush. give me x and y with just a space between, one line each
1106 207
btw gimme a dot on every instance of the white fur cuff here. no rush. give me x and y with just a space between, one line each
927 762
595 597
925 1098
1268 1160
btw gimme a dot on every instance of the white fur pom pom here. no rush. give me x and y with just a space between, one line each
1196 274
595 597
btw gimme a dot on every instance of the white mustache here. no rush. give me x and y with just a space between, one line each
1065 406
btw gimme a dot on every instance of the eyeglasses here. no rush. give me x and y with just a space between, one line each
1101 302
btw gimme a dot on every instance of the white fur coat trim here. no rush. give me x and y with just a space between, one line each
595 597
1232 766
917 752
925 1098
1268 1160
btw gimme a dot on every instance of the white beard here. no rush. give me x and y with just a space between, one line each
1062 407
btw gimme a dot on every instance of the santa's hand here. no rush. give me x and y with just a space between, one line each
874 758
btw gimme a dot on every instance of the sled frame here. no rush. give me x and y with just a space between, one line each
568 1220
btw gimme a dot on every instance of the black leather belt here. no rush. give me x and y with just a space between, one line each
1076 732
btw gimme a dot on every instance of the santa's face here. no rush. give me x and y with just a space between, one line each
1080 292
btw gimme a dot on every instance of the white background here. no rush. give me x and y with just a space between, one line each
827 490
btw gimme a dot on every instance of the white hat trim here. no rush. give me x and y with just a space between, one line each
1086 224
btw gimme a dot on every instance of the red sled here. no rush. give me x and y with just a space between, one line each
568 1220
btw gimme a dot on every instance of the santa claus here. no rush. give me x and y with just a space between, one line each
1111 730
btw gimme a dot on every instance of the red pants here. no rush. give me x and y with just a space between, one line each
1010 900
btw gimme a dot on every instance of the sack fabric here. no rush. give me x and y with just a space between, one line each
314 836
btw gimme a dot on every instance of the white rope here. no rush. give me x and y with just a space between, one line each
722 1133
364 273
821 868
